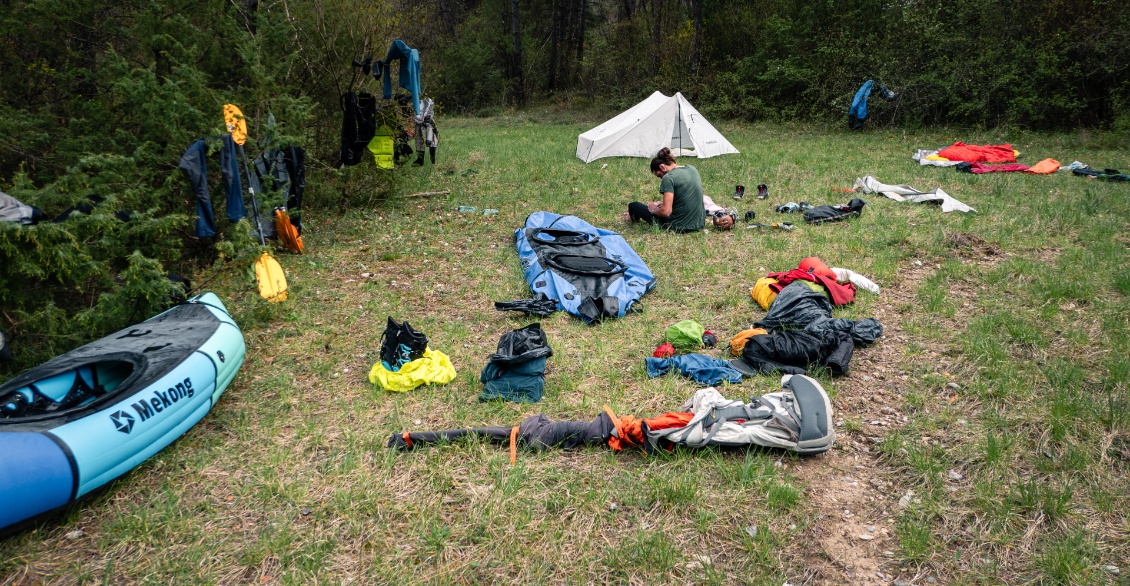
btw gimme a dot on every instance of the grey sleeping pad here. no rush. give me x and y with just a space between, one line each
815 414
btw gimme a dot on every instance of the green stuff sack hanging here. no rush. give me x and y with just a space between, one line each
382 148
686 336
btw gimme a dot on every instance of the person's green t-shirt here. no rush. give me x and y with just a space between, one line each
687 211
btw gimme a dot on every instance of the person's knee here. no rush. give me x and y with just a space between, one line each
638 211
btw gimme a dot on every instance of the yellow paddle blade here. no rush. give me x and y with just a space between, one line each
272 280
237 124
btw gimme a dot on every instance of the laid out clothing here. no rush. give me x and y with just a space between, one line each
982 168
900 192
798 307
516 371
821 214
841 294
795 352
194 165
971 153
1104 175
763 292
521 383
738 342
541 306
848 275
433 368
928 157
358 126
703 369
796 418
1044 167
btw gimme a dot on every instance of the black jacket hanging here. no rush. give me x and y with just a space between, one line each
359 125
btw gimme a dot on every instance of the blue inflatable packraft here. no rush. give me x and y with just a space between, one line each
590 272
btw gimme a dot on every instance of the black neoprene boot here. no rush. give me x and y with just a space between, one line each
432 151
419 159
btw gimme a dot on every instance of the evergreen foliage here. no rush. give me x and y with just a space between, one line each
100 99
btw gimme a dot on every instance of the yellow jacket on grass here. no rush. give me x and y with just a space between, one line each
433 367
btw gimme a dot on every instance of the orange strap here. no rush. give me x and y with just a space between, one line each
514 445
407 439
629 432
613 442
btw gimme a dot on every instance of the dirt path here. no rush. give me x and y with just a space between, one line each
856 496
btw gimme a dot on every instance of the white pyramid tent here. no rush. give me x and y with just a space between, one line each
657 122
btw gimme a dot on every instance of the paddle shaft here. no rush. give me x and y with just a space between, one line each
254 202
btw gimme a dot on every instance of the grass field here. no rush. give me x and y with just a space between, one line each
984 439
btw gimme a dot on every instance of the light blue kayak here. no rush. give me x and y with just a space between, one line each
82 419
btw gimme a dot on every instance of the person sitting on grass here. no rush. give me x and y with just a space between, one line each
681 209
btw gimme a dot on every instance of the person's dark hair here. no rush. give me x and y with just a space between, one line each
663 157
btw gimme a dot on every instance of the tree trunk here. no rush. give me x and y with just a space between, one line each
656 28
581 33
696 45
445 12
516 29
554 40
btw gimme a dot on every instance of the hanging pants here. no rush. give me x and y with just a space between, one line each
195 167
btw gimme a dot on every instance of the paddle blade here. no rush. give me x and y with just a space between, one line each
237 124
272 280
288 234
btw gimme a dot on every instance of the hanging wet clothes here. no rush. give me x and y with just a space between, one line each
409 78
295 167
358 126
14 210
284 170
426 133
195 167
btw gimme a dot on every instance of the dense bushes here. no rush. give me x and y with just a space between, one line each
1049 65
100 100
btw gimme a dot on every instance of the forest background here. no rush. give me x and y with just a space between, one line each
100 99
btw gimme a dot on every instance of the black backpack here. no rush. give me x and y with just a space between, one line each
401 343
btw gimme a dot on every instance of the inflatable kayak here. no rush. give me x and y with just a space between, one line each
591 272
84 418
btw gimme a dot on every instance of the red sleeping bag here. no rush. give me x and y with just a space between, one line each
994 153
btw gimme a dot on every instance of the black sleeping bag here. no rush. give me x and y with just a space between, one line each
796 352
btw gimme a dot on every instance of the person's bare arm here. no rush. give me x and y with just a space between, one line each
663 208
